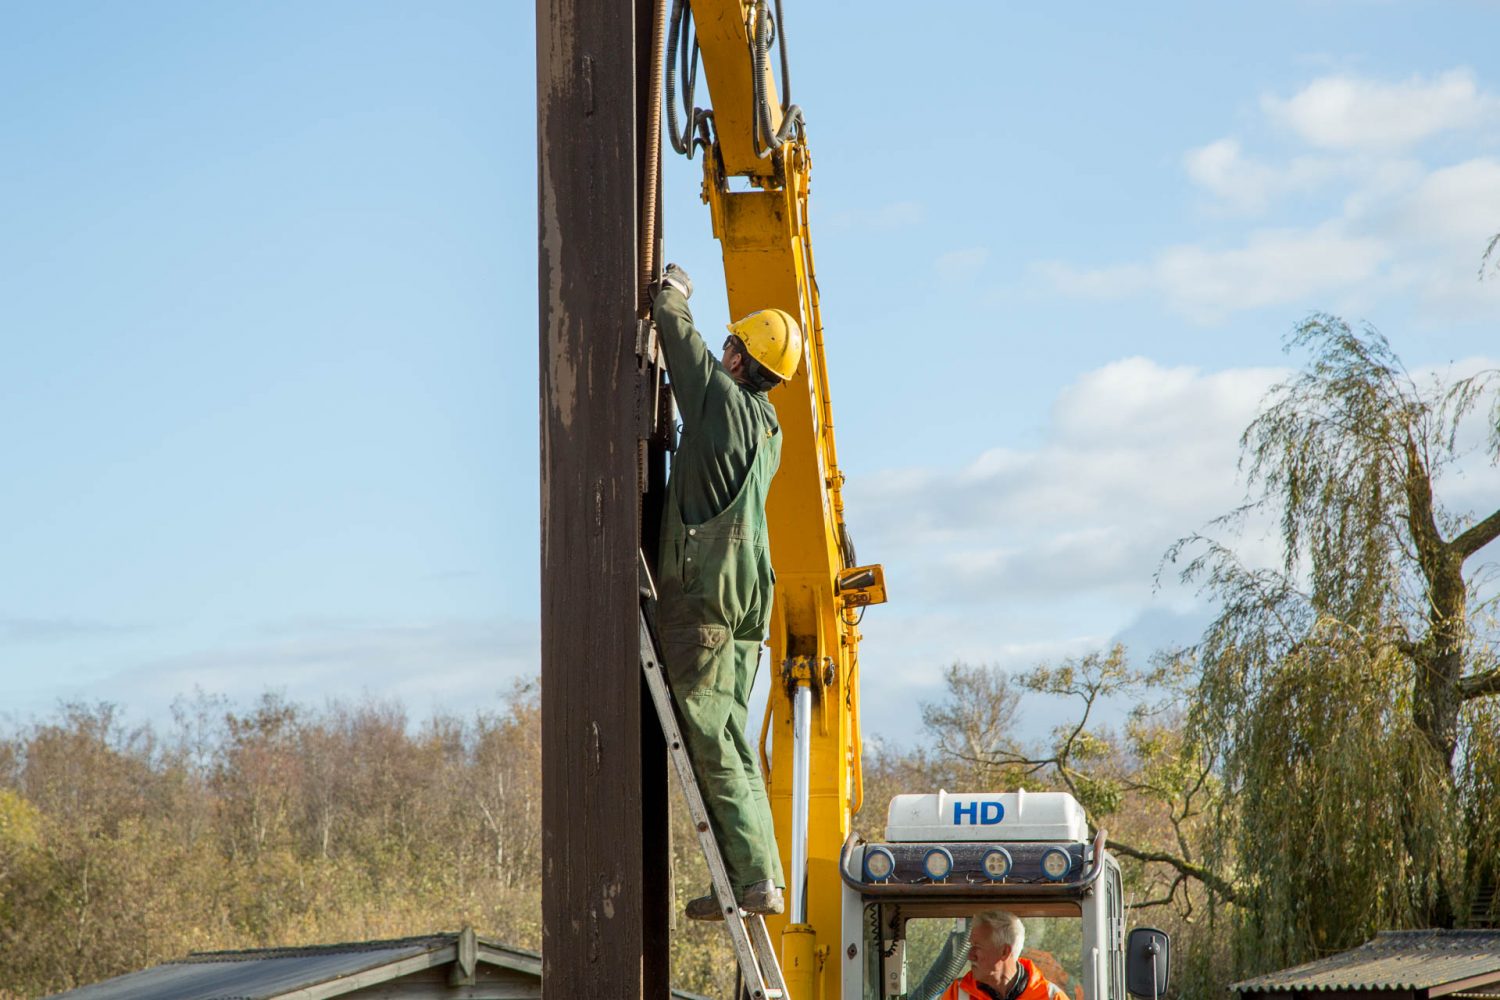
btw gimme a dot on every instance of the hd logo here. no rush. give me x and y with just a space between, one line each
978 813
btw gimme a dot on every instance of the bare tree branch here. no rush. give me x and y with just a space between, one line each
1217 884
1006 758
1478 536
1163 901
1480 685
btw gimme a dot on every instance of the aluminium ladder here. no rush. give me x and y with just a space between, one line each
759 969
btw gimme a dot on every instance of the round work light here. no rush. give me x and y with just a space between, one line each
879 864
997 864
937 863
1056 863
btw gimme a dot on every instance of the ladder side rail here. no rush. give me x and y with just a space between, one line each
752 943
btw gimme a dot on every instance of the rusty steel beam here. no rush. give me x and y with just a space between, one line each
605 886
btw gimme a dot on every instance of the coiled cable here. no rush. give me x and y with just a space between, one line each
767 139
682 60
685 61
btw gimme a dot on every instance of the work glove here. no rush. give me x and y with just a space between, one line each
673 277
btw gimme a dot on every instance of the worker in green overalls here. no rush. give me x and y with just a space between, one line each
714 595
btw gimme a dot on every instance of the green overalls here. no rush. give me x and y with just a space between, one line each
715 581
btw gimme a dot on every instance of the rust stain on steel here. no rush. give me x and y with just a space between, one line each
562 369
552 89
604 805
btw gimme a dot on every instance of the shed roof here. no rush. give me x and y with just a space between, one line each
322 970
1438 962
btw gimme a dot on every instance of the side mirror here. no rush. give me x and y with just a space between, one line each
1148 959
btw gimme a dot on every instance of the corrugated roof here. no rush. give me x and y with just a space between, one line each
1393 960
263 973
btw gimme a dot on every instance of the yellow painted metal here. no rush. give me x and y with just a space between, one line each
861 586
799 962
768 262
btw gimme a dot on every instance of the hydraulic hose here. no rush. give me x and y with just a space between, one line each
791 114
682 61
687 57
786 73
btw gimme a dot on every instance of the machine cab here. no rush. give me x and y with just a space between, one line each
909 899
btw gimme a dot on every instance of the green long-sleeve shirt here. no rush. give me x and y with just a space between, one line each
723 422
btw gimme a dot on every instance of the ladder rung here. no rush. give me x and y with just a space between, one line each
753 950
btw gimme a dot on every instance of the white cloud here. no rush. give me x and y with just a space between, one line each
1135 456
1456 206
961 266
1273 267
1348 112
899 215
452 666
1391 225
1025 555
1138 403
1112 282
882 218
1248 185
905 652
42 630
1442 225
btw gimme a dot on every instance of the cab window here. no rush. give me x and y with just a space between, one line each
931 952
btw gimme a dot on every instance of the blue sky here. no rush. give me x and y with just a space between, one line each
267 302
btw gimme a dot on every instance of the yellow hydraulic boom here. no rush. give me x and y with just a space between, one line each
811 741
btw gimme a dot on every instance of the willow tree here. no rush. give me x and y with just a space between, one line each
1350 689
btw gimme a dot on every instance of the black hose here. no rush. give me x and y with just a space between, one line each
685 61
671 88
791 114
786 73
682 60
763 131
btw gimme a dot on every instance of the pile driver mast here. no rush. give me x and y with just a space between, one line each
811 739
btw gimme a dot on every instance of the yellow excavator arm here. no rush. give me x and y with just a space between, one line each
810 743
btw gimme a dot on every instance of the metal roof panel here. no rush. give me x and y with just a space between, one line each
1393 960
257 974
267 973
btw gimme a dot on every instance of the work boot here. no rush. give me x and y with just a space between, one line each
762 897
704 908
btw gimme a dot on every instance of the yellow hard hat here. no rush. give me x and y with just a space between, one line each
773 338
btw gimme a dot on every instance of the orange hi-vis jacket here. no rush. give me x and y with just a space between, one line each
1037 987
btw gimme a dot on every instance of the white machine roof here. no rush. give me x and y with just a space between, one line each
988 816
